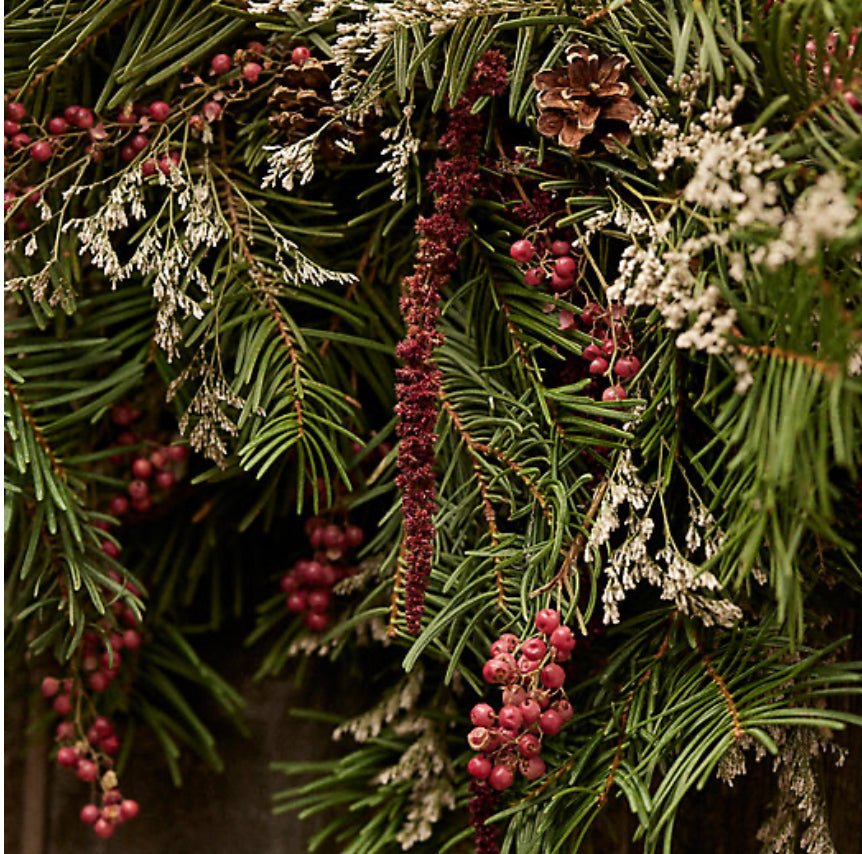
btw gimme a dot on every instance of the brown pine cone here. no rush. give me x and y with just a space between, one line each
302 102
585 104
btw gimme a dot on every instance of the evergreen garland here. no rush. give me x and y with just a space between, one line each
520 339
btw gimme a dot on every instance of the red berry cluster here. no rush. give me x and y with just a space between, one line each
611 355
252 62
158 470
534 703
551 261
89 754
308 584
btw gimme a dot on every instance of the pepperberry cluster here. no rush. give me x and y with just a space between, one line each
88 753
308 584
553 261
31 142
158 470
534 703
550 261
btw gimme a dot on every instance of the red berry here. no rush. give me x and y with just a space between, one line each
534 648
8 200
111 745
479 738
68 757
505 643
104 829
479 767
297 602
563 639
10 128
316 622
212 110
103 726
83 118
565 267
89 663
138 490
615 392
289 583
534 277
319 600
177 453
482 715
221 63
20 140
126 116
32 195
608 346
353 536
131 640
50 686
65 731
119 505
560 283
90 814
333 537
312 571
500 778
15 111
497 672
547 620
128 153
98 682
564 709
159 459
521 251
529 745
550 722
139 142
299 55
513 695
553 676
627 366
560 247
251 72
511 718
129 809
93 736
110 548
41 151
62 705
526 666
142 468
142 505
533 768
148 168
598 366
159 111
255 48
87 771
112 797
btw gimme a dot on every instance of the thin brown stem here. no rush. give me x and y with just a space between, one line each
565 573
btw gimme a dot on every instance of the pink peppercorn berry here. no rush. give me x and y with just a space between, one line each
521 251
158 111
615 392
299 55
547 620
221 63
90 813
479 767
500 778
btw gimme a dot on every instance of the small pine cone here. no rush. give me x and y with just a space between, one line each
586 104
302 102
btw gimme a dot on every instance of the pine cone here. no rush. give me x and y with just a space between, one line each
302 102
586 104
